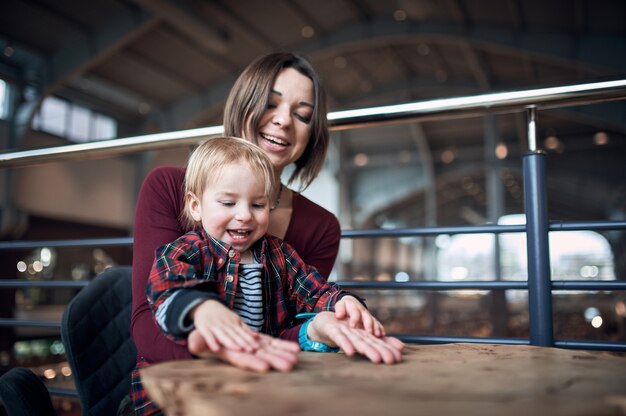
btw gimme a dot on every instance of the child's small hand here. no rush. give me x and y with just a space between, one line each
221 327
358 316
329 330
272 354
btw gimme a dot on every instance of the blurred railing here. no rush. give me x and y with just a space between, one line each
539 284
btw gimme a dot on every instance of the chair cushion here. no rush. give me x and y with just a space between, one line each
96 335
24 394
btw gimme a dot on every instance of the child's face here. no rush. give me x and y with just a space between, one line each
233 208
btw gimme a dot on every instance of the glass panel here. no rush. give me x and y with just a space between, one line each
76 123
79 124
104 127
53 116
4 99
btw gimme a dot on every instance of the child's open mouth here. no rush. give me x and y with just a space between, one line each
239 234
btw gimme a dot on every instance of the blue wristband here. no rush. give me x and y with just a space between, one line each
307 344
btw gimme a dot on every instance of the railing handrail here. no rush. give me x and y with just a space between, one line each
82 242
346 233
560 96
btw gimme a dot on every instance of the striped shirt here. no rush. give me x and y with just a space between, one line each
249 295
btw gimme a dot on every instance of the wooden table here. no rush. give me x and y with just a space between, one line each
452 379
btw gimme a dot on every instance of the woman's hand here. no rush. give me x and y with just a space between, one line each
328 329
222 328
358 316
272 353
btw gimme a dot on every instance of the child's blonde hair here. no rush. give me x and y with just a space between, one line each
207 160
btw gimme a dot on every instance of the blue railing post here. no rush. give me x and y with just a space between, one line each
538 250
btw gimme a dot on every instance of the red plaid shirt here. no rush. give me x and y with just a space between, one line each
201 262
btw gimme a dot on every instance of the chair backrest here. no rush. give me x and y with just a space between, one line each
24 394
98 346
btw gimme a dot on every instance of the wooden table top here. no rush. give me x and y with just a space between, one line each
450 379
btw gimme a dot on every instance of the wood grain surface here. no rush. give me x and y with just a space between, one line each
451 379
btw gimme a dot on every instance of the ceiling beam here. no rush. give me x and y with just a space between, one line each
124 100
225 14
476 65
179 15
85 51
306 17
590 50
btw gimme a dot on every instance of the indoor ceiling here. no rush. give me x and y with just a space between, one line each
162 65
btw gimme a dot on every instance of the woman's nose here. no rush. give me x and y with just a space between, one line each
281 116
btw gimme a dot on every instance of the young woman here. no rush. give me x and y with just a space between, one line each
279 104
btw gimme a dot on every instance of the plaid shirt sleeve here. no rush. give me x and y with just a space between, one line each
178 266
308 290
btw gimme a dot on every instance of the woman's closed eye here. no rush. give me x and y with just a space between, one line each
305 119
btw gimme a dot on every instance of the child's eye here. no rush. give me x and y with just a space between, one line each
259 206
227 203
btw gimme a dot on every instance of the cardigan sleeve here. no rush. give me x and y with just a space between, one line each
157 222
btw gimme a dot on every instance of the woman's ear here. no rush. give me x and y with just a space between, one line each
194 207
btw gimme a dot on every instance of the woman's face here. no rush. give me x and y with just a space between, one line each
285 127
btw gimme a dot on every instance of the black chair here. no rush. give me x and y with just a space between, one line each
98 346
24 394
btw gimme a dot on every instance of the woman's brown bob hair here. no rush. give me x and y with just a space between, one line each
248 100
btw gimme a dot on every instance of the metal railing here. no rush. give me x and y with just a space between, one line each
538 285
502 102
